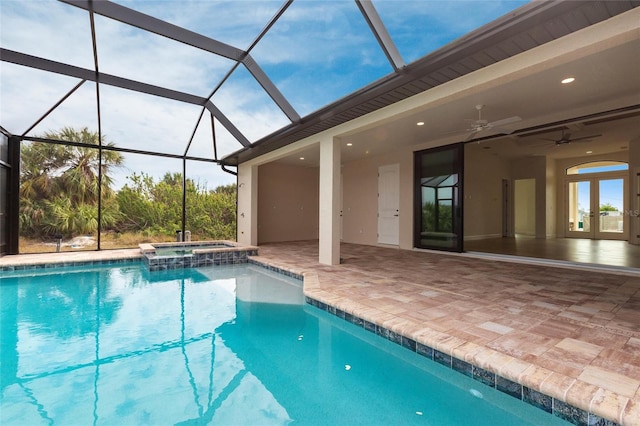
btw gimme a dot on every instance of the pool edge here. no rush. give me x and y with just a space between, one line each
445 349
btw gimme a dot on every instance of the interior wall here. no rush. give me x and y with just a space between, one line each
525 206
551 206
534 168
360 199
484 171
634 191
288 203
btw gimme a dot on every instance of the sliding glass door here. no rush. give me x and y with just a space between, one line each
438 192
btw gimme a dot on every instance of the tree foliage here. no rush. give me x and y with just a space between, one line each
607 207
59 184
156 207
59 195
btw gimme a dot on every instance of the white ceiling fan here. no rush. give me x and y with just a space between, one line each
480 125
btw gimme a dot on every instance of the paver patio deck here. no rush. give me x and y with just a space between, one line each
570 333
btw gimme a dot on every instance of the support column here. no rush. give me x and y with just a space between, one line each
248 205
329 232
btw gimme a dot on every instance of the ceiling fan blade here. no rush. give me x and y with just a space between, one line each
471 135
585 138
503 130
504 121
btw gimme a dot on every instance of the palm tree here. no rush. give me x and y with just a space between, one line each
59 183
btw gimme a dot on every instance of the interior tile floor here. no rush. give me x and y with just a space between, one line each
603 252
571 333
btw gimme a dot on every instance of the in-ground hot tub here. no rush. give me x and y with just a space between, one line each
194 254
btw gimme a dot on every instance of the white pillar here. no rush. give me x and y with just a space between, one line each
247 205
329 232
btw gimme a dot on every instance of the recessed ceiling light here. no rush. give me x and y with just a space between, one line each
589 152
302 158
568 80
420 123
349 144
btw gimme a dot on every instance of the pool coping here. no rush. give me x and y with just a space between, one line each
49 264
570 399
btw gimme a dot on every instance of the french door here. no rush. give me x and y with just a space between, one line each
595 208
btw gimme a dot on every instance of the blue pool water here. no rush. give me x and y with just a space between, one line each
225 345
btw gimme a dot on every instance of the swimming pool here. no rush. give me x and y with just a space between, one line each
228 345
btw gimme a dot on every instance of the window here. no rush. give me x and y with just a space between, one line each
597 167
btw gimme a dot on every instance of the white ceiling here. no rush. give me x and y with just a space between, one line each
605 80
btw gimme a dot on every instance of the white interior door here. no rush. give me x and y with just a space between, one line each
389 204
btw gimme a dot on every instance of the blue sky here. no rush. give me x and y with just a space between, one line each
318 52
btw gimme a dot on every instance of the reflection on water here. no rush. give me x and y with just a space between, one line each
126 344
198 346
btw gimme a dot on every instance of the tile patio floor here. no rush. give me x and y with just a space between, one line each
569 333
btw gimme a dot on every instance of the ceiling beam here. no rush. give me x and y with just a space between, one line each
35 62
157 26
23 59
370 14
271 89
148 23
227 124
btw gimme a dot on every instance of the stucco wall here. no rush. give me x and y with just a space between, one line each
360 199
287 203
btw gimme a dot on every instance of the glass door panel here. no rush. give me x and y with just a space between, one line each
611 208
438 207
580 212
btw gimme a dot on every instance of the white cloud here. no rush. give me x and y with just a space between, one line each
48 29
